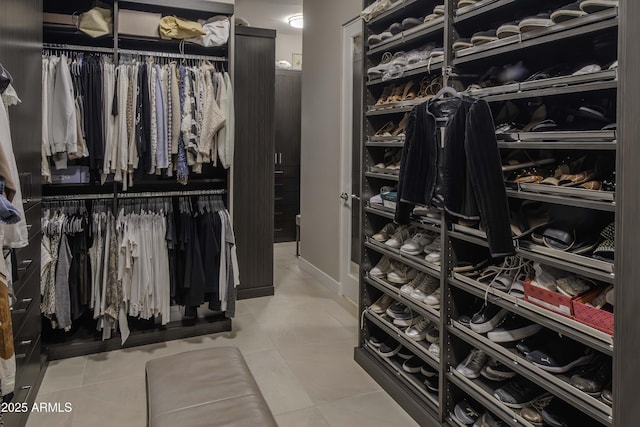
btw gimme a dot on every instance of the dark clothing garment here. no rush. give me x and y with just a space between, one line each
194 276
92 86
210 251
472 185
143 121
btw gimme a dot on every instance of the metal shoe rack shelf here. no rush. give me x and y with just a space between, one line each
457 291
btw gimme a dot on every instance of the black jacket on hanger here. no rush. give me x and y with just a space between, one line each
467 181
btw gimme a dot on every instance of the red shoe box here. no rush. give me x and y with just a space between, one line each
591 316
545 298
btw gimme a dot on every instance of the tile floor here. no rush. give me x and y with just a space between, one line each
298 344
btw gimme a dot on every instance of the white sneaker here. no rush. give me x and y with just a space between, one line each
399 237
381 305
384 234
418 331
409 287
416 244
382 268
433 251
401 274
434 349
426 287
433 299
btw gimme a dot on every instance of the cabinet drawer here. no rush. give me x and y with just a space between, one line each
27 332
282 171
286 185
28 371
28 258
33 219
29 286
21 311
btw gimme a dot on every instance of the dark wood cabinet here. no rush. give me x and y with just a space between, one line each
287 154
253 169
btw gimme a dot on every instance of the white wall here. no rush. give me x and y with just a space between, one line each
321 119
286 44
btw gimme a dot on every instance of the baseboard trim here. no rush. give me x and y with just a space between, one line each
265 291
322 277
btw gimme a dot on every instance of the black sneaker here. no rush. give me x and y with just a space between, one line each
534 342
561 414
519 393
473 364
433 383
514 328
413 365
487 318
406 318
405 354
592 378
389 348
496 371
465 413
376 341
607 394
568 12
428 371
560 355
396 309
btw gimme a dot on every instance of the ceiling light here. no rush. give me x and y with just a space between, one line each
296 21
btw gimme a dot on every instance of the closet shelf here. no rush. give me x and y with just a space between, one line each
389 214
563 200
385 139
419 348
410 260
417 34
564 325
424 414
483 394
550 91
558 145
401 107
398 144
553 383
574 28
392 291
402 9
385 176
421 222
412 380
410 72
564 137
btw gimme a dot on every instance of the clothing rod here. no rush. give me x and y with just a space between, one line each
171 55
77 47
77 197
172 194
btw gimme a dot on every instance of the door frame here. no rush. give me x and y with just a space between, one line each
349 279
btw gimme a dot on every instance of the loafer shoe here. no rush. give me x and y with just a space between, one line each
568 12
385 234
519 393
508 29
513 328
473 364
465 413
462 44
409 23
382 268
593 6
413 365
487 318
382 304
483 37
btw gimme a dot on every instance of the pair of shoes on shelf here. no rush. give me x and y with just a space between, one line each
394 272
424 288
391 130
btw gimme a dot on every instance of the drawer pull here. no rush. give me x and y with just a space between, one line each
29 227
26 342
25 387
26 302
25 264
21 356
279 172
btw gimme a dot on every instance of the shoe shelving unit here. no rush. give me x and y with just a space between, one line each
458 291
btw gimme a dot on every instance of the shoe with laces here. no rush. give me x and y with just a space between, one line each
465 413
406 318
409 287
533 412
396 309
519 393
385 234
433 251
426 287
382 268
487 318
473 364
382 304
418 331
513 328
401 274
401 235
416 244
433 299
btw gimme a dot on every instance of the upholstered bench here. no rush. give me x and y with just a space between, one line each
211 387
